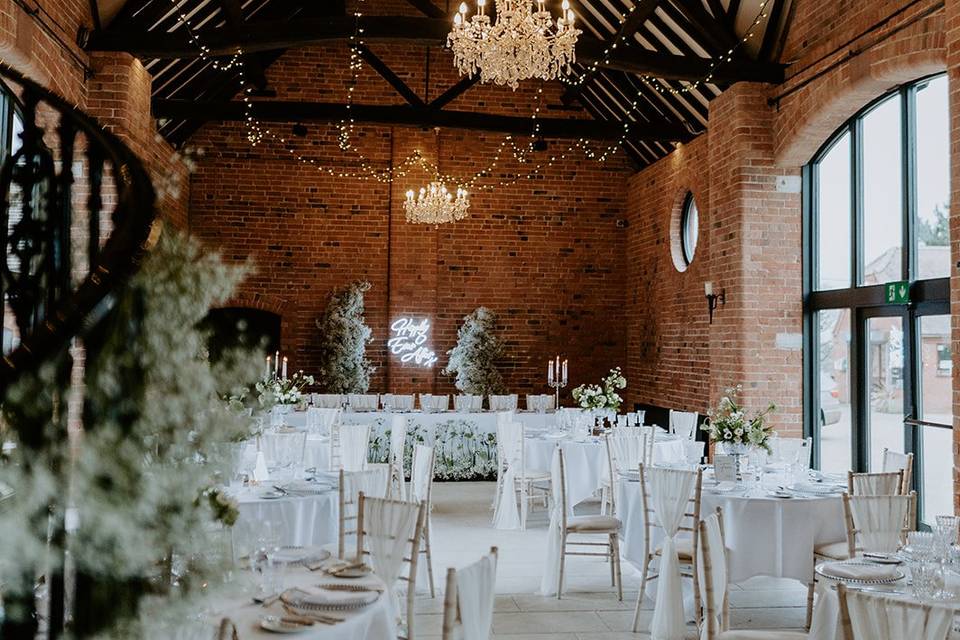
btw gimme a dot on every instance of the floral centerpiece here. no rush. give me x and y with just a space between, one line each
603 395
276 390
728 424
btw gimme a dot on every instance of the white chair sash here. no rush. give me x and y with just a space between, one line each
434 403
876 617
718 569
510 444
683 424
327 400
551 565
626 452
314 420
670 493
284 450
876 484
503 402
421 474
540 402
476 586
398 439
354 442
363 401
894 461
388 528
879 521
468 403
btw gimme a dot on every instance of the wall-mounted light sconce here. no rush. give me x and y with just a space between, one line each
713 298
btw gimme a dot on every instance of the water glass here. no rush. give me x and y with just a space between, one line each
921 546
927 579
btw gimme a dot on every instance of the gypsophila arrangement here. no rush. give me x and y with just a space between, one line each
344 337
603 395
154 426
473 359
728 422
277 390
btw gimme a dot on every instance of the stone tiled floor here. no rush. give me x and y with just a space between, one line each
589 608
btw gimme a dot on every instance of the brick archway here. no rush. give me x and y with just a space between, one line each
274 304
809 117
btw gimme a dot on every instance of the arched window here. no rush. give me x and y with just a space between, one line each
689 228
877 293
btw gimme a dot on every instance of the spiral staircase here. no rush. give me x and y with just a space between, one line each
77 217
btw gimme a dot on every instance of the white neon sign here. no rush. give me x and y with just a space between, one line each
408 339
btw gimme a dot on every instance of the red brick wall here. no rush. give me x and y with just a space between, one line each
546 253
113 88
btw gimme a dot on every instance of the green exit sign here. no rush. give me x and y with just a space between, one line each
897 292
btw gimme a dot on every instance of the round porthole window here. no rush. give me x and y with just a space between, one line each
689 229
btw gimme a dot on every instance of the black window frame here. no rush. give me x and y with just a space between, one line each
929 296
686 251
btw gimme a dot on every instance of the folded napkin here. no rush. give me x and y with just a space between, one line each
862 571
319 598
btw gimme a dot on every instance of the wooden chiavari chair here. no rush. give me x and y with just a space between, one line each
896 461
364 530
686 547
585 525
885 483
452 604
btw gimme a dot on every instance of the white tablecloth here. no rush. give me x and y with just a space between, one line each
302 520
585 461
483 421
373 622
827 614
764 536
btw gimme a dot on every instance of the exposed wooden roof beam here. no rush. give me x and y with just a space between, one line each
455 91
712 32
387 74
404 115
768 45
427 8
253 72
633 21
270 36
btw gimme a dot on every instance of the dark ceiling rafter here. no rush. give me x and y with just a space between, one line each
405 115
633 21
387 74
427 8
654 78
253 71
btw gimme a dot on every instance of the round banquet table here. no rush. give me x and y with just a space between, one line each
765 536
585 460
373 622
302 520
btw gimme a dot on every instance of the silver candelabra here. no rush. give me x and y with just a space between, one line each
556 379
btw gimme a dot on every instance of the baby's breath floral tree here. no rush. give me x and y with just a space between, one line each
144 471
344 367
728 424
473 359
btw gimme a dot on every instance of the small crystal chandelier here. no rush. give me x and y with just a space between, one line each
522 44
435 205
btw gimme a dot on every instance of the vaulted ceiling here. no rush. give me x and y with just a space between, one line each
655 76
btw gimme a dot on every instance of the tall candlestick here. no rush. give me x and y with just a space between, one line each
284 367
267 374
276 363
549 371
564 372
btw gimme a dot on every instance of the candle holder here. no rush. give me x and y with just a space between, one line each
556 384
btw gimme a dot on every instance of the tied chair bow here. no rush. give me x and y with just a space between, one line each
671 489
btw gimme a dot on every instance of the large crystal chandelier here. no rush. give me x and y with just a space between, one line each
523 43
435 205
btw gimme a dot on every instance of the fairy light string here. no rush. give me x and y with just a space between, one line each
366 170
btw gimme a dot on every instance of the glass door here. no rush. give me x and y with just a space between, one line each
882 385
